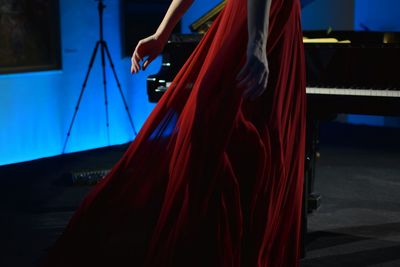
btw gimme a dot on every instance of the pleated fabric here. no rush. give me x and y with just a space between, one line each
211 179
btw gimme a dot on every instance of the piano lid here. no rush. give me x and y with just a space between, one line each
202 24
364 38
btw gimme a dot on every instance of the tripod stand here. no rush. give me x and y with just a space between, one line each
101 43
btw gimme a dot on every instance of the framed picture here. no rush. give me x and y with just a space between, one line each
29 35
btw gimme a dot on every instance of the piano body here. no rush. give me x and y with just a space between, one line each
347 72
363 69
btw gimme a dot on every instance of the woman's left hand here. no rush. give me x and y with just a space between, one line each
254 74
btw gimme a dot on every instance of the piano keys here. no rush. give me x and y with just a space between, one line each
361 75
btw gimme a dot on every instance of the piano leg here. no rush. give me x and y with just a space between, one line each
312 155
311 200
304 219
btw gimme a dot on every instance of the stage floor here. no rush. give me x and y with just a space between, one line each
358 176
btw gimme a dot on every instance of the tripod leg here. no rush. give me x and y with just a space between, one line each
81 94
103 64
119 88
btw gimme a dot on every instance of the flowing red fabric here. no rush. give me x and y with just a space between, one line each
211 179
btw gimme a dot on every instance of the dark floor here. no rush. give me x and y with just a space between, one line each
358 223
358 175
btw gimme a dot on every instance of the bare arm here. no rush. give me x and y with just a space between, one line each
253 77
174 13
153 45
258 21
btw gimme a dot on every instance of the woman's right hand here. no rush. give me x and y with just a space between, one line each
149 47
253 76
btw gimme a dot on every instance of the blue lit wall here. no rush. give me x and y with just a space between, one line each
37 107
324 14
377 15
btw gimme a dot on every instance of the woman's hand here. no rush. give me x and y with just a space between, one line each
254 74
153 45
149 47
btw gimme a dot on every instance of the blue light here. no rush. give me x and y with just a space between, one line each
377 15
37 107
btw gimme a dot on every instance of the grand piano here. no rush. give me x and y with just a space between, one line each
347 72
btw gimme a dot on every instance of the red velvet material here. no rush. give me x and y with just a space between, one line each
211 179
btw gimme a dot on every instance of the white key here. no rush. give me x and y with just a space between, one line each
355 92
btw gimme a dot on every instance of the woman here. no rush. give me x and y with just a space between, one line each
214 177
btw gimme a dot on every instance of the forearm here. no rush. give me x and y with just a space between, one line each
174 13
258 21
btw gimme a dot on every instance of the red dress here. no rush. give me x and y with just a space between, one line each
211 179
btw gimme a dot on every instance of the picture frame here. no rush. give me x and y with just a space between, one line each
29 36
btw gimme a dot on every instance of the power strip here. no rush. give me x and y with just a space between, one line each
91 177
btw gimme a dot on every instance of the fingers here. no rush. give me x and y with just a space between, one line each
148 61
242 72
134 64
266 80
245 76
256 87
251 76
246 81
135 60
251 90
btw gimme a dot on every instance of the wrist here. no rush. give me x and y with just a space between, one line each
256 47
161 36
258 38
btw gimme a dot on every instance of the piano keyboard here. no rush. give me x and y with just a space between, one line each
352 92
332 91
